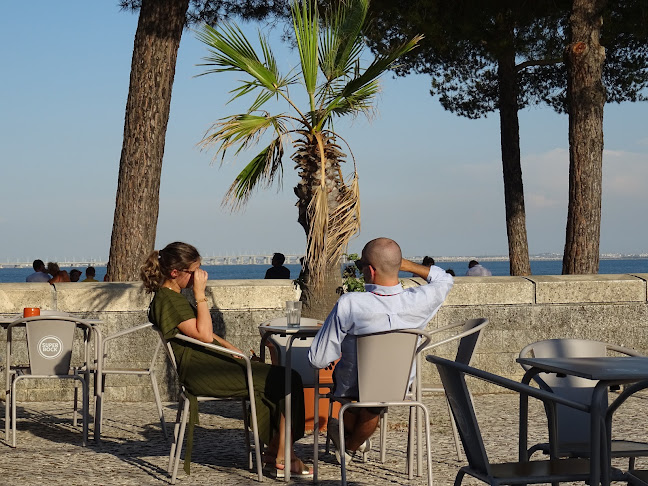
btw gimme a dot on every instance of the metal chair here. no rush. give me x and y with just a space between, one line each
145 371
183 409
50 342
468 337
569 430
534 472
384 361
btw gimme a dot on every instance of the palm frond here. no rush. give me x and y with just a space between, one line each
231 51
359 101
262 169
379 65
306 28
342 42
243 130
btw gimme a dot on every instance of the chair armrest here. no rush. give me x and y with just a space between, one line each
624 350
625 394
214 347
542 395
127 331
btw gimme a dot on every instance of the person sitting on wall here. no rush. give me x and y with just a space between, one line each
75 275
476 270
90 275
384 306
40 272
277 270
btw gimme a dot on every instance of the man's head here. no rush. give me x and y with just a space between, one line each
39 266
472 263
427 261
74 275
90 272
381 261
278 259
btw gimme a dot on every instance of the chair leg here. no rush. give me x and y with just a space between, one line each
158 403
410 444
86 409
13 413
428 444
459 478
76 398
342 446
246 429
178 448
176 429
8 407
455 433
383 435
328 421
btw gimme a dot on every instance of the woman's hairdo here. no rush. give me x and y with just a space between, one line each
160 264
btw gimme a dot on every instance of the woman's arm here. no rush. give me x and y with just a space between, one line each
201 327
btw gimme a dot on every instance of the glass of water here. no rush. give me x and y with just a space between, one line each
293 313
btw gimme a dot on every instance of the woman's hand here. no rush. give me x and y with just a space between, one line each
200 277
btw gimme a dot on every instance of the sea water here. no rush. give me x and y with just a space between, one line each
499 268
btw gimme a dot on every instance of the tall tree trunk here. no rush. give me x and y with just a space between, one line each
147 114
584 58
511 166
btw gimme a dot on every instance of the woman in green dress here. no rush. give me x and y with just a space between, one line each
211 373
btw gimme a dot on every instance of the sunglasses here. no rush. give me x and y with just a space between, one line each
360 264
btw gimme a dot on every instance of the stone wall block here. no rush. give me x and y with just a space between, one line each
568 289
101 297
14 297
246 294
468 291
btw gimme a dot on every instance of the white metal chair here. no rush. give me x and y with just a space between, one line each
384 361
569 429
468 336
50 342
183 409
143 371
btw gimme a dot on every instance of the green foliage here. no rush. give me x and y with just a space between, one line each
466 39
352 280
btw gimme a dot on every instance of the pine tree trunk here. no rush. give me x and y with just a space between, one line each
584 58
511 166
155 52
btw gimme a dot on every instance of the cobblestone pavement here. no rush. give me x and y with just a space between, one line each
133 450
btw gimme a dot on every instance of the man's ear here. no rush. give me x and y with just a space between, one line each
174 273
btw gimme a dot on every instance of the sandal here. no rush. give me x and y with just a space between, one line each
277 470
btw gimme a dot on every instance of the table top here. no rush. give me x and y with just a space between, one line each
7 319
308 326
605 368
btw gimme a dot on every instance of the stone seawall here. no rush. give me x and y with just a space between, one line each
521 310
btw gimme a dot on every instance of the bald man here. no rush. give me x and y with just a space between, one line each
384 306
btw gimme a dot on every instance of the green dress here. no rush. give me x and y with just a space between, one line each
211 373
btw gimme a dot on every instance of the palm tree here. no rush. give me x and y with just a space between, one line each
330 50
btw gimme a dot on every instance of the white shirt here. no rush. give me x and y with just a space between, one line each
478 271
378 309
38 277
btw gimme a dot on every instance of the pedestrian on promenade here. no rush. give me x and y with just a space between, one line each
90 275
40 272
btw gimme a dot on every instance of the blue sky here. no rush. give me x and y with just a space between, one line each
429 179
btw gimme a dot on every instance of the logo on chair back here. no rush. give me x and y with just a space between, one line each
50 347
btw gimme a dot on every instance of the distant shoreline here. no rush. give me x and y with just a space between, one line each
230 260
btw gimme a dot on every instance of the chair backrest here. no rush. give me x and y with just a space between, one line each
385 361
572 425
456 390
49 344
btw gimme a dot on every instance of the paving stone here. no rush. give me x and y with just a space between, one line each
133 450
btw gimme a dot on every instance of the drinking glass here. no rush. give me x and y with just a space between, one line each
293 313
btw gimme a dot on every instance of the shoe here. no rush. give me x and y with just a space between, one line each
334 433
277 470
365 447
